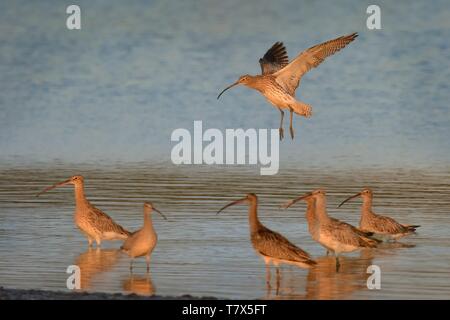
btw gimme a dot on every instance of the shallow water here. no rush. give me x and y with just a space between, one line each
200 253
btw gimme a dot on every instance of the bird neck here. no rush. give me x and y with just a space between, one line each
257 83
253 217
311 215
148 223
366 206
321 209
80 199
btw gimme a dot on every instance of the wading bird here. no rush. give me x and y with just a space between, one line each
279 79
383 227
272 246
313 220
93 223
142 242
334 235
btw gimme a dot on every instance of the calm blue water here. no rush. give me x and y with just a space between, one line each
138 70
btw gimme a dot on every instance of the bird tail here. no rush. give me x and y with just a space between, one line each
311 262
125 232
302 109
370 242
370 235
412 228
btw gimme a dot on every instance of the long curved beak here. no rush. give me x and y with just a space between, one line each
53 187
232 204
349 198
291 202
160 213
229 87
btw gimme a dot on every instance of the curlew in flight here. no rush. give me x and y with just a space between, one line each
280 78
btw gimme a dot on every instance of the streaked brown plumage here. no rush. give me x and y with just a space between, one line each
279 79
382 226
272 246
92 222
313 221
334 235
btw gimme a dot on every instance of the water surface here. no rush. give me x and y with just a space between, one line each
200 253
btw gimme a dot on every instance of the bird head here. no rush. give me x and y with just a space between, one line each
249 198
366 193
75 180
148 208
245 80
309 197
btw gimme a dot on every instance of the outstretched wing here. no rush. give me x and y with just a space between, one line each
274 59
289 77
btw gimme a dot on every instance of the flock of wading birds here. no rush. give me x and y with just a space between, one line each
278 82
335 235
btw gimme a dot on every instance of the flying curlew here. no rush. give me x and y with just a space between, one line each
279 79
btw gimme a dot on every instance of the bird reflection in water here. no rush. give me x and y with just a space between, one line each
94 262
323 282
141 285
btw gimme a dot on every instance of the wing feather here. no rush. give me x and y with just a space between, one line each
274 59
273 244
289 76
105 223
385 224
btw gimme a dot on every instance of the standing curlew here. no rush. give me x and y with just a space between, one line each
93 223
142 242
272 246
313 221
334 235
382 226
280 79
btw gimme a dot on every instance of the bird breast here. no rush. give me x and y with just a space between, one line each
276 96
142 245
83 222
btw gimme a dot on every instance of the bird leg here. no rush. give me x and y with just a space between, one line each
291 129
338 265
281 125
90 242
278 280
99 243
147 258
268 276
131 266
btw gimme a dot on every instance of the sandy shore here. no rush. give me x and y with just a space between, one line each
21 294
